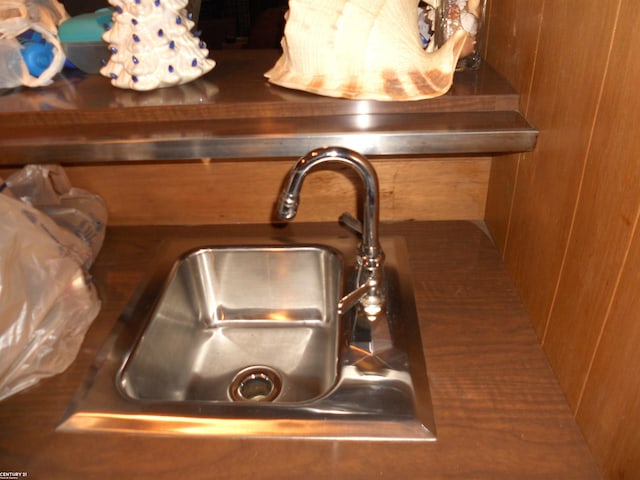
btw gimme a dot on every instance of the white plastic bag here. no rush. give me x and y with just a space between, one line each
20 17
47 188
47 301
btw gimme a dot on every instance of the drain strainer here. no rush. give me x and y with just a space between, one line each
255 384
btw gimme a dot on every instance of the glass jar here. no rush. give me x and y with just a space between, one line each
467 15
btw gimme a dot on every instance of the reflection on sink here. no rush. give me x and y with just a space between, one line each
242 338
241 323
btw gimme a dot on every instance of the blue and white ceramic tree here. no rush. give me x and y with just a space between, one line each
152 45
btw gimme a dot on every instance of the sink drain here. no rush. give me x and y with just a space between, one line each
256 384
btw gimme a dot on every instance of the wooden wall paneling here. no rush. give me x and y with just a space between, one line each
433 189
513 30
502 181
512 36
598 305
185 193
579 190
604 221
564 98
609 413
215 192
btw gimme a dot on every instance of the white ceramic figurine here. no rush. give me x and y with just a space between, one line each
152 45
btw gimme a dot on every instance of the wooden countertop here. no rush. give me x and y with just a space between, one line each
233 112
499 411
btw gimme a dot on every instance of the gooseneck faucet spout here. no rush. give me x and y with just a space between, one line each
370 256
289 200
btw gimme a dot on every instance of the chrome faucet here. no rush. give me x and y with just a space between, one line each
369 291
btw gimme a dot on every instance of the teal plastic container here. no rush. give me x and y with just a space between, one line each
81 39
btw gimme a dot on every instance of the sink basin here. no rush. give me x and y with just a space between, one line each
241 337
241 324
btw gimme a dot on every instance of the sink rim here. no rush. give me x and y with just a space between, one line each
400 411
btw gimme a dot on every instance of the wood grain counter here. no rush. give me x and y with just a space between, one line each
499 411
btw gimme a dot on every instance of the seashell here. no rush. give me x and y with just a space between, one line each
475 7
363 49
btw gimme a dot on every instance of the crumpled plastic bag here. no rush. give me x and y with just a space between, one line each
47 188
47 300
19 20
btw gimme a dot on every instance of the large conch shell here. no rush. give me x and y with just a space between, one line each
363 49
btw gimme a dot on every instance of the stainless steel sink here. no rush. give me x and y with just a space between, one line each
241 324
242 338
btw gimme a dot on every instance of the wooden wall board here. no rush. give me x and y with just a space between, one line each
513 32
572 245
605 218
564 99
189 193
502 180
609 261
609 413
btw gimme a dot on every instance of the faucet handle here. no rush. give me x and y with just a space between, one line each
351 223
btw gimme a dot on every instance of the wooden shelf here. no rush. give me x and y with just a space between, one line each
233 112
